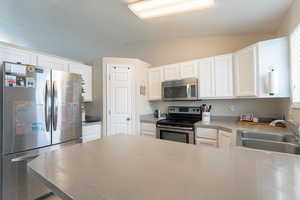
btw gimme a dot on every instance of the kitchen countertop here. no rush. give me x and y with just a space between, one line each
233 126
149 169
149 119
84 123
227 124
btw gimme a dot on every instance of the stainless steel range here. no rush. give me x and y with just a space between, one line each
179 124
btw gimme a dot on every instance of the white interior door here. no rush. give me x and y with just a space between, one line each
120 103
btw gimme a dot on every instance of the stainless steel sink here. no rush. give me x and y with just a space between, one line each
269 141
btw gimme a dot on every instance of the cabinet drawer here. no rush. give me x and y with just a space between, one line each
149 134
207 142
150 127
207 133
91 130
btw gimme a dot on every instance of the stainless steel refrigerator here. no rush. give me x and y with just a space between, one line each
40 111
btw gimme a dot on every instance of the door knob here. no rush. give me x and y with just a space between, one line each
128 119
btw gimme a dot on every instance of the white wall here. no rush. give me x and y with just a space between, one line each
183 49
270 108
290 21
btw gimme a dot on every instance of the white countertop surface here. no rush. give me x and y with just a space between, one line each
140 168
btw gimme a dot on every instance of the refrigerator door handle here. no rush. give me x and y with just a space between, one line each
47 106
25 158
55 106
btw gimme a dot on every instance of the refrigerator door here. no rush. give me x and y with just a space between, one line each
66 106
26 108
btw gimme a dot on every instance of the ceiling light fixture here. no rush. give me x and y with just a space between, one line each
155 8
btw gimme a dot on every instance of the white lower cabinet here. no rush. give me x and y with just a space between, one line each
208 142
225 139
214 137
91 132
148 129
207 136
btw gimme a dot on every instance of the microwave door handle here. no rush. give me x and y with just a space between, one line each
188 88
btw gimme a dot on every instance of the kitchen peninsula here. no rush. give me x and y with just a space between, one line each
140 168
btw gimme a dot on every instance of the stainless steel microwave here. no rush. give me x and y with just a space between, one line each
185 89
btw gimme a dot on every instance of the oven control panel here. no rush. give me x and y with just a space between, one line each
184 110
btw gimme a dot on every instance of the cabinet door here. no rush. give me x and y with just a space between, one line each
245 72
52 63
91 132
273 54
206 78
16 55
189 69
86 73
223 76
155 80
172 72
225 140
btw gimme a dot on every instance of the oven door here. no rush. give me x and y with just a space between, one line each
177 134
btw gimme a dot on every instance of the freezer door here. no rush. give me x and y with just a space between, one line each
26 108
66 106
18 182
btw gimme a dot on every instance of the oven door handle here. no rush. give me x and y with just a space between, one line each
175 128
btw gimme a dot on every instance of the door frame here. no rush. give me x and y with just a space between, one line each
108 95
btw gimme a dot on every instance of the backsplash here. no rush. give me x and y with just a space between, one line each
271 108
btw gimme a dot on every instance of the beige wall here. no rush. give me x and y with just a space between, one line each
290 21
183 49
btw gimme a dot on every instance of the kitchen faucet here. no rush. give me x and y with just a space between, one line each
273 123
287 124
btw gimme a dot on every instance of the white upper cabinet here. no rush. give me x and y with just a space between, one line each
86 73
245 72
273 54
172 72
252 67
206 78
223 75
156 77
14 55
215 77
52 63
189 69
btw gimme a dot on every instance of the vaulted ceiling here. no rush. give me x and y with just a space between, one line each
85 29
